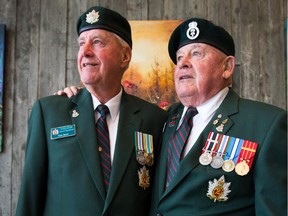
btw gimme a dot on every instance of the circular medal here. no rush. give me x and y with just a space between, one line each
205 159
228 165
217 162
242 168
141 158
149 160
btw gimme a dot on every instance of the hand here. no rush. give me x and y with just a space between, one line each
68 91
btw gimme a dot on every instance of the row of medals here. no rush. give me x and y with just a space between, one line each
144 158
217 162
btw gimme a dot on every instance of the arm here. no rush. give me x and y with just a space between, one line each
34 180
271 170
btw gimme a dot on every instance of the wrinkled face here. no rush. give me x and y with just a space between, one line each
102 58
199 73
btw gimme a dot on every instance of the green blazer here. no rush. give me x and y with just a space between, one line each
63 176
262 191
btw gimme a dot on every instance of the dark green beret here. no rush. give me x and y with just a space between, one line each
197 30
103 18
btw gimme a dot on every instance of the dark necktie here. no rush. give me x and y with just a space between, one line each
104 143
176 144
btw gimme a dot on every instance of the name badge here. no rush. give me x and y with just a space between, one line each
63 132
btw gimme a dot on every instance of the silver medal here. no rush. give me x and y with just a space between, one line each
217 162
205 159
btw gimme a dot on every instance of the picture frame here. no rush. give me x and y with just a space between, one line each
2 61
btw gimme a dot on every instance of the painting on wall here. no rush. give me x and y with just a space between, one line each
150 74
2 48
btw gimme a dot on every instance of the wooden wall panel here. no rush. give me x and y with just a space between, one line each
7 17
41 53
26 89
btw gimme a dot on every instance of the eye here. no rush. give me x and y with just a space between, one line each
81 43
196 53
179 58
97 42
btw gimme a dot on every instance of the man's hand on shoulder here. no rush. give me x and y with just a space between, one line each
68 91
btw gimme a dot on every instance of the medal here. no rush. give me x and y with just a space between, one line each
242 168
206 156
149 160
228 165
205 159
217 162
144 148
245 158
141 158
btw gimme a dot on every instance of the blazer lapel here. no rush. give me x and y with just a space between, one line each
170 128
82 116
129 122
223 113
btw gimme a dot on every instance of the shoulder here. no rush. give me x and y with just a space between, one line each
259 108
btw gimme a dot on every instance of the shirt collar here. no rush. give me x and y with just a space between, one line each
113 104
208 108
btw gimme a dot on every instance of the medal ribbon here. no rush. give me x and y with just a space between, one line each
223 145
208 143
148 143
233 149
247 152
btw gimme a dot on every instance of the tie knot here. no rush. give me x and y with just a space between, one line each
103 110
191 112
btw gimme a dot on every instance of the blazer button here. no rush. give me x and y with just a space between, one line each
158 214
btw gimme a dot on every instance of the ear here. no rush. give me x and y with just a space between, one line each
126 56
228 67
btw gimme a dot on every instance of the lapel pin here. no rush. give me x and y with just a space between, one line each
75 114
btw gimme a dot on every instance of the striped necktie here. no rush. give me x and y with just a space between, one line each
176 144
104 144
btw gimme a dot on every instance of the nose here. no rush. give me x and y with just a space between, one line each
86 50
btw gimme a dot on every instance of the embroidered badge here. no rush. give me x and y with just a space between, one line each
144 178
92 17
218 189
193 31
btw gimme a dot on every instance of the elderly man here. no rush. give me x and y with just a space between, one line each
229 157
94 153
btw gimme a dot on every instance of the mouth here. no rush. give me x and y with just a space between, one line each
89 65
185 77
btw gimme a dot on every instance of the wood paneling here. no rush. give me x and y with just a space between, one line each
41 51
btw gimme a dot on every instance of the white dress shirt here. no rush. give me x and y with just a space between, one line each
205 114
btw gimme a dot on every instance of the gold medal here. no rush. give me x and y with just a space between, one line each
149 160
242 168
228 165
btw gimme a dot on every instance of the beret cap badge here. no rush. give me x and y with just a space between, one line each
193 31
92 17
